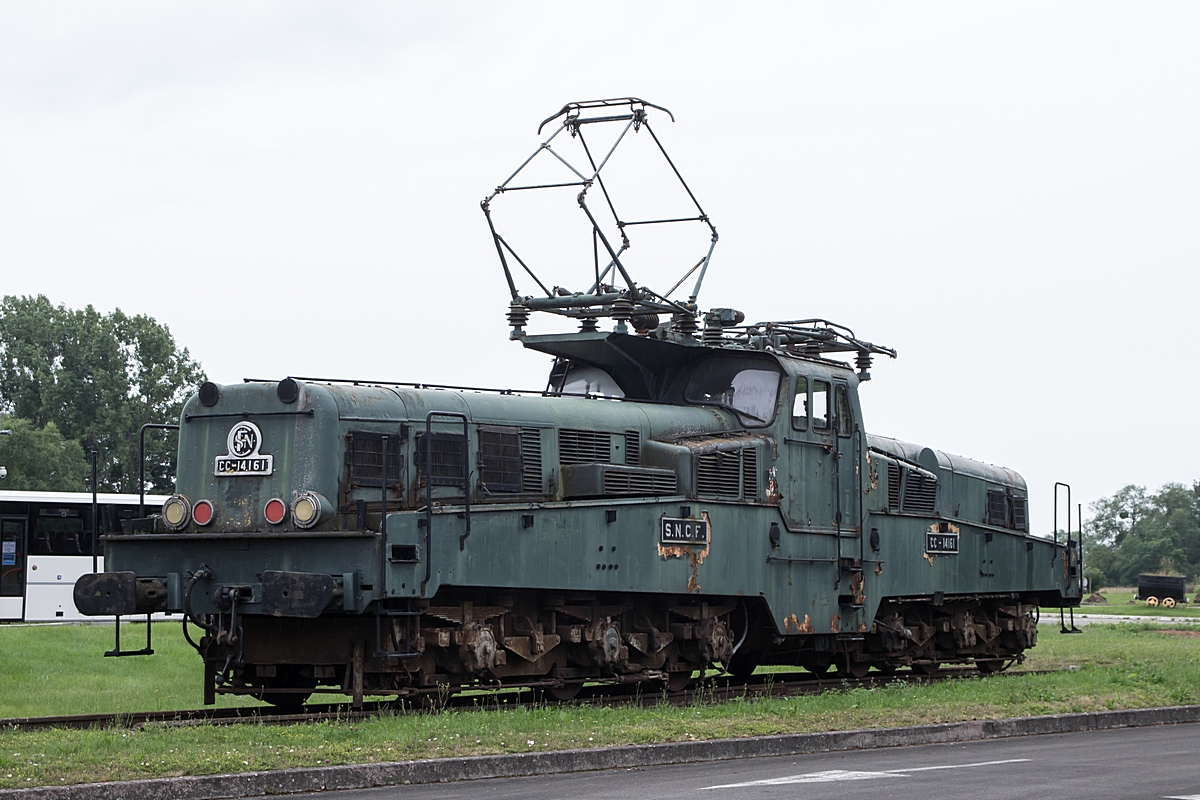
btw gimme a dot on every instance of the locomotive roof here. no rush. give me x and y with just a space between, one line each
936 461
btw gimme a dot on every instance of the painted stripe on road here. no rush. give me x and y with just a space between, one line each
833 775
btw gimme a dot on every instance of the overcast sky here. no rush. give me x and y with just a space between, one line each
1006 193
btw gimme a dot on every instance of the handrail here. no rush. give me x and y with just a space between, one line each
142 461
466 483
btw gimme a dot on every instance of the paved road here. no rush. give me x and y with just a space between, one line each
1159 762
1086 617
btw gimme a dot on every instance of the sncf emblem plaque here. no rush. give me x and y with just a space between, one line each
683 531
243 457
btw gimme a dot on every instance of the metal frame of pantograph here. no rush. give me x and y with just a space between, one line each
605 298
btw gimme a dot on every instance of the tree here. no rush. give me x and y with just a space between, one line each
1133 532
40 459
98 378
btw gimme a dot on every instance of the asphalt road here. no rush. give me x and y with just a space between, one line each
1158 762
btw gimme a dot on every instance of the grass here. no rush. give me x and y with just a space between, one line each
1125 666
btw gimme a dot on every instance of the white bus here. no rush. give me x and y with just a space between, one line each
46 544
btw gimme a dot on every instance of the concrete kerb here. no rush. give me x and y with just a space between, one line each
363 776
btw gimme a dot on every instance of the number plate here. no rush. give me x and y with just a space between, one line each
683 531
941 542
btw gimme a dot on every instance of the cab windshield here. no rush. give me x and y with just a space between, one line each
749 390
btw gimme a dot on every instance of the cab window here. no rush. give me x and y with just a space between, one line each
820 405
845 422
800 406
748 391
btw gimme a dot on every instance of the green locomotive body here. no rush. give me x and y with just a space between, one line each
677 498
703 503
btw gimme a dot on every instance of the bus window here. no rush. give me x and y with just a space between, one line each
800 406
12 558
820 406
61 532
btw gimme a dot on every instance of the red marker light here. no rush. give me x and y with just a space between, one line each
275 511
202 512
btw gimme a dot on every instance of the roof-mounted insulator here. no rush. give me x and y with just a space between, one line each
622 312
684 323
588 325
862 362
518 318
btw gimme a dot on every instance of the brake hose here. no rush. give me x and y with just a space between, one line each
203 573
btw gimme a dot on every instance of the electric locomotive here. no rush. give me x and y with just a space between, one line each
688 491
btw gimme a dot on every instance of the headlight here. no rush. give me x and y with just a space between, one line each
309 508
176 512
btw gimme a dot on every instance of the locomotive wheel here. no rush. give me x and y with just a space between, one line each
565 692
742 665
1168 602
989 666
927 669
288 702
856 669
818 666
1152 601
678 681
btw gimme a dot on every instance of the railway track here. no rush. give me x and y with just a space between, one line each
713 689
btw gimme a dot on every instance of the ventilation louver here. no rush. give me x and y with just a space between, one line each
584 447
719 474
750 473
893 486
531 461
920 492
633 448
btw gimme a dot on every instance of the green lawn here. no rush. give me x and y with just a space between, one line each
59 670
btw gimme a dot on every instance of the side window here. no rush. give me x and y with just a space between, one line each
845 422
820 405
800 406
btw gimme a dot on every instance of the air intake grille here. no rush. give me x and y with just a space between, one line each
894 487
920 492
366 454
584 447
633 448
719 473
499 459
750 473
531 460
1018 513
997 508
639 483
448 450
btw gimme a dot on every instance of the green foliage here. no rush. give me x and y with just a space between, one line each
40 459
1134 532
98 378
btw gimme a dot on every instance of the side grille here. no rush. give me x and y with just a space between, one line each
448 450
719 473
641 482
531 461
366 456
750 473
894 487
920 492
1019 521
633 448
584 447
500 459
997 508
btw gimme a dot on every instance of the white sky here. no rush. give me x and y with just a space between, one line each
1006 193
